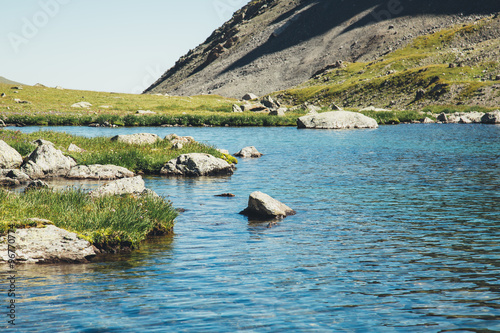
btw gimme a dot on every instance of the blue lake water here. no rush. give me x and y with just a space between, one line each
398 230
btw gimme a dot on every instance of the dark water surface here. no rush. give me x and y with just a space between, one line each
398 230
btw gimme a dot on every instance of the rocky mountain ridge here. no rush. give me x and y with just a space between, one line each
272 45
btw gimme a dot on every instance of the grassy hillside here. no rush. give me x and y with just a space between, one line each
50 106
453 68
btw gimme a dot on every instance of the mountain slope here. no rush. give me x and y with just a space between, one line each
7 81
272 45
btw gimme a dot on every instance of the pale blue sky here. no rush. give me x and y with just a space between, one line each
104 45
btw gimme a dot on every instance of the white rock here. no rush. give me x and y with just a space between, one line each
9 157
48 245
337 120
261 205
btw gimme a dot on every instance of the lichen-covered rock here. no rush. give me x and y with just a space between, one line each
133 185
47 245
46 161
9 157
97 171
137 139
249 152
263 206
196 165
336 120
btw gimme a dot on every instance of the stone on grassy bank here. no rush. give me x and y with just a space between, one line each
263 206
9 157
196 165
133 185
46 161
137 139
47 245
336 120
97 171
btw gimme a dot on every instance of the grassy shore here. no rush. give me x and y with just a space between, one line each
53 107
147 159
110 223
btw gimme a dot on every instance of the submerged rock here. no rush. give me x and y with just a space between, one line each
137 139
336 120
48 245
47 161
9 157
249 152
97 171
261 205
196 165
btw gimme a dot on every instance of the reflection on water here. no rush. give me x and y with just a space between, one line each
397 231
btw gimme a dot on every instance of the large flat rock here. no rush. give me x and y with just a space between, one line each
47 245
336 120
196 165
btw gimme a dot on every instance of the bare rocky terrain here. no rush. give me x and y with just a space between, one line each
272 45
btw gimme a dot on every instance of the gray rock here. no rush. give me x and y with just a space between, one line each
40 142
145 112
223 151
237 108
427 120
8 182
133 185
442 117
75 149
312 109
177 146
48 245
372 108
3 95
36 184
279 112
491 117
9 157
97 171
82 105
254 107
46 161
249 152
249 97
15 174
461 117
270 103
337 120
196 165
261 205
335 107
175 139
137 139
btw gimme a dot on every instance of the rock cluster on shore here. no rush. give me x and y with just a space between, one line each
470 117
